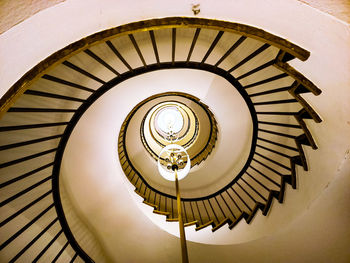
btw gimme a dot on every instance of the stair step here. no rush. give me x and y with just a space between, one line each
139 193
191 223
204 225
161 212
272 194
150 204
243 215
223 222
257 206
172 219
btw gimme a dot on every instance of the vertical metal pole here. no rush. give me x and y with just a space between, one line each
181 223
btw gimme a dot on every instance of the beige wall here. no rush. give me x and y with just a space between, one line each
15 12
320 233
337 8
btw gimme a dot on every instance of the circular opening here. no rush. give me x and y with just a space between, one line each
139 139
169 120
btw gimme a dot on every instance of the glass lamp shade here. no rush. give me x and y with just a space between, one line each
173 157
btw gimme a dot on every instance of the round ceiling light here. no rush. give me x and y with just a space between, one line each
174 158
169 120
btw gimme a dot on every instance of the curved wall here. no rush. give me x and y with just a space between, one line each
328 67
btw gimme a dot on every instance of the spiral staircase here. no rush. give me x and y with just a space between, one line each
42 109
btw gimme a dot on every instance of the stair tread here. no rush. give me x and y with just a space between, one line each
204 225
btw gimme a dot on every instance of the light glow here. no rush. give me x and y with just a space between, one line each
174 154
170 120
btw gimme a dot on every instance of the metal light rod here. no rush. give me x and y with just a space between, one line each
181 223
